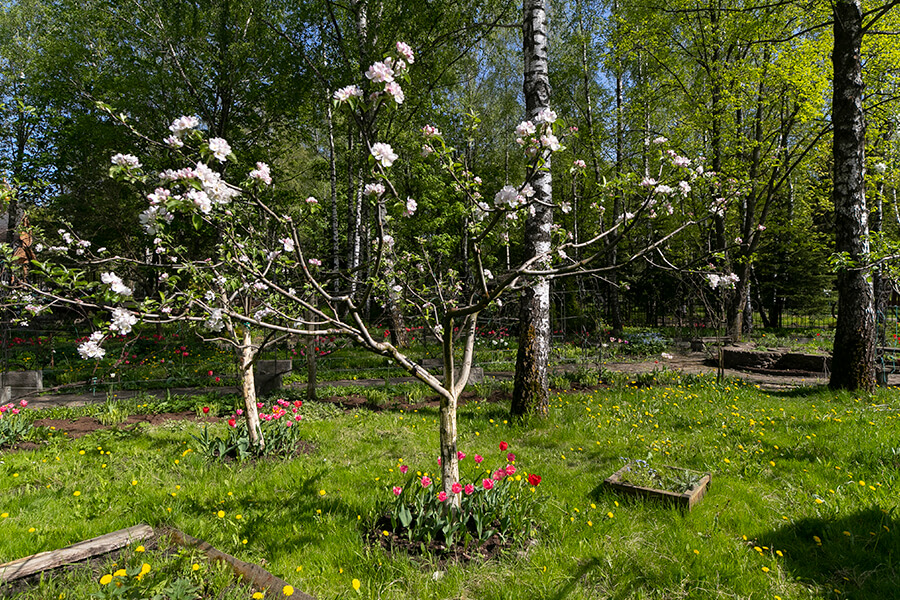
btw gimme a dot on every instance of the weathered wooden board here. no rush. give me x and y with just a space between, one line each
52 559
252 573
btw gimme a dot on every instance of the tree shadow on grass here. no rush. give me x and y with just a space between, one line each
858 555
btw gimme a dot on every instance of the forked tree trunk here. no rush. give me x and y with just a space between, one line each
531 390
853 363
246 359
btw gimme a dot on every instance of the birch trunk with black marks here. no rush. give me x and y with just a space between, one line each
853 363
531 390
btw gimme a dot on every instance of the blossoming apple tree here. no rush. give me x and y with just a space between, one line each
262 271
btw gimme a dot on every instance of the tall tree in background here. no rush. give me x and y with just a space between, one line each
531 390
853 365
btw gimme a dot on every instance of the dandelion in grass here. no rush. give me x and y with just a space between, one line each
106 579
221 514
356 584
287 590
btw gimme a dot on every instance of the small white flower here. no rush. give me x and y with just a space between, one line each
261 173
384 154
545 116
219 148
525 128
126 160
374 189
182 124
345 93
122 320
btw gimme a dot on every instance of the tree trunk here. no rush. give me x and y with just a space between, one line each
853 363
246 359
531 390
311 359
615 309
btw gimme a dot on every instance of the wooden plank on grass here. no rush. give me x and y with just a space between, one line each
52 559
252 573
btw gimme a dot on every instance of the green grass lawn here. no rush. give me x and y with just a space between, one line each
803 501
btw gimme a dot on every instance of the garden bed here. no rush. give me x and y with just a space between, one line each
685 500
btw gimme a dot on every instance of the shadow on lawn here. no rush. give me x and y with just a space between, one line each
858 555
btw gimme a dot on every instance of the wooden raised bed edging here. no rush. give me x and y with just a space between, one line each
252 573
104 544
685 501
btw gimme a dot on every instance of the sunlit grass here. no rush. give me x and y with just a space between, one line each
802 502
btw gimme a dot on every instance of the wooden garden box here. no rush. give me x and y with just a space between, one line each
686 501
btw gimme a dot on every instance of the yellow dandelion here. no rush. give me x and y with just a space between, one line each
356 584
140 549
106 578
287 590
257 595
195 567
321 492
221 514
610 515
120 573
765 569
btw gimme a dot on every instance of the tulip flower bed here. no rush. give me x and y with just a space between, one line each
796 511
492 512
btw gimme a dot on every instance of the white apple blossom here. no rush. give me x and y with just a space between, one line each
215 322
122 320
545 115
430 131
660 140
411 206
393 88
681 161
380 72
684 187
115 284
201 200
288 244
374 189
311 200
182 124
551 142
406 52
663 189
648 182
261 173
525 128
508 195
219 148
384 154
345 93
129 161
91 348
173 141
